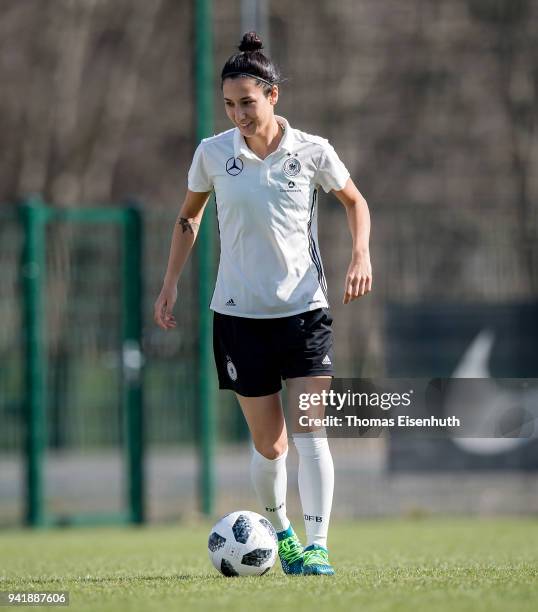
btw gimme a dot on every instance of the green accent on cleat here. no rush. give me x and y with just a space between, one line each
290 551
316 561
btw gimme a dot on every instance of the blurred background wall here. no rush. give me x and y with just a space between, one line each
431 105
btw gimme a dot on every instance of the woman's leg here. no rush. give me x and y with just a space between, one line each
316 470
265 419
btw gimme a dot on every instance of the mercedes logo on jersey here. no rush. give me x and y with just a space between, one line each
291 167
234 166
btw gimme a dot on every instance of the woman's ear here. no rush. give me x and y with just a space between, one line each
273 96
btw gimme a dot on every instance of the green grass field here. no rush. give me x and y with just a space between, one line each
404 565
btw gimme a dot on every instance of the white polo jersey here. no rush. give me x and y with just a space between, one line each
270 264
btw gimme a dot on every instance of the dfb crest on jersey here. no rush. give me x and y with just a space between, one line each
291 167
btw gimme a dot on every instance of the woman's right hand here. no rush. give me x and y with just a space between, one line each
162 311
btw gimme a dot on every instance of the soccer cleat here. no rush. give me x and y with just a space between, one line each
316 561
290 551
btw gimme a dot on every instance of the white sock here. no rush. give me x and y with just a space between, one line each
316 485
270 481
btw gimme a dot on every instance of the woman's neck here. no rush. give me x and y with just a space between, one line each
265 143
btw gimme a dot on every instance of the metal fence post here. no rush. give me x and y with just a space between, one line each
33 216
133 410
205 252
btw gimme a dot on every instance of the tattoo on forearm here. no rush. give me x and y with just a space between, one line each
188 226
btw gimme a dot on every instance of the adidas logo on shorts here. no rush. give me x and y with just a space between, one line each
326 360
230 302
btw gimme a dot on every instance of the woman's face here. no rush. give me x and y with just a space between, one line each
247 106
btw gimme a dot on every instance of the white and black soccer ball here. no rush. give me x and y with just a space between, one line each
243 543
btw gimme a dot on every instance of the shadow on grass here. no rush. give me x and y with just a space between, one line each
105 579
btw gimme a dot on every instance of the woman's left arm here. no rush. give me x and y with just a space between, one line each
359 274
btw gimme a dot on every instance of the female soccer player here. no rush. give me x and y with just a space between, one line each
271 313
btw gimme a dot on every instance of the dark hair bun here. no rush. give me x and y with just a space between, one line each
250 42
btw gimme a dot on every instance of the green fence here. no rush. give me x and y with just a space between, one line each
39 324
87 348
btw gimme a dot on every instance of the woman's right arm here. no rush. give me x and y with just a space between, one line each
183 237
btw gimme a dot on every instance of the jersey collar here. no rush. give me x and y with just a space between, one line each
286 144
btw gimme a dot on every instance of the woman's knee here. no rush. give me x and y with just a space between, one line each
271 450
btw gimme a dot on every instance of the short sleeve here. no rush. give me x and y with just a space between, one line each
199 179
331 173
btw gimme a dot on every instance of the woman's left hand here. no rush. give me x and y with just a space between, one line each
358 278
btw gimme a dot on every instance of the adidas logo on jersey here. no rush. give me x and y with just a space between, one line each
326 360
230 302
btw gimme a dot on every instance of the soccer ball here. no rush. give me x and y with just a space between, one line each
243 543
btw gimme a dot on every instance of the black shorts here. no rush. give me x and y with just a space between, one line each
253 355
